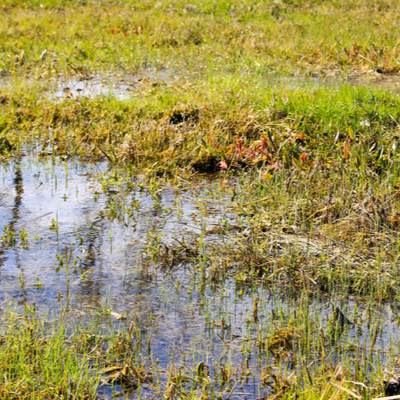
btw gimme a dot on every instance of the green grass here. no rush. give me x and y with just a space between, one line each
175 127
61 359
290 36
312 171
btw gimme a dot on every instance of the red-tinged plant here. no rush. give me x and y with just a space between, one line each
239 145
223 165
346 150
303 158
264 146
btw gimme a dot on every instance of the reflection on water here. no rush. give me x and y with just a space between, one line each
120 86
70 212
105 227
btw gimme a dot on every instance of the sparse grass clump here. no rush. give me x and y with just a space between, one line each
63 359
41 361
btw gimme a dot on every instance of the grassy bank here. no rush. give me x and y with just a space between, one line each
244 122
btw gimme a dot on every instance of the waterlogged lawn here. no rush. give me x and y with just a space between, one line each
199 200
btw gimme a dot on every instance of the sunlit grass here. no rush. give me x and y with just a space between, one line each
48 37
261 96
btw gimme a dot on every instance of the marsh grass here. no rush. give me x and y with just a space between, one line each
42 360
243 122
51 37
279 304
62 358
312 178
311 169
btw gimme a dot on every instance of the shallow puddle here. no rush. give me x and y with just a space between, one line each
375 81
120 86
124 86
103 228
85 222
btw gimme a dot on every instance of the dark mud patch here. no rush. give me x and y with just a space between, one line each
5 145
207 164
183 114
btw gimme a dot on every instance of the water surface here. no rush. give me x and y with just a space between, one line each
108 225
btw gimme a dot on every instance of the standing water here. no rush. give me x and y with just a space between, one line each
86 234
